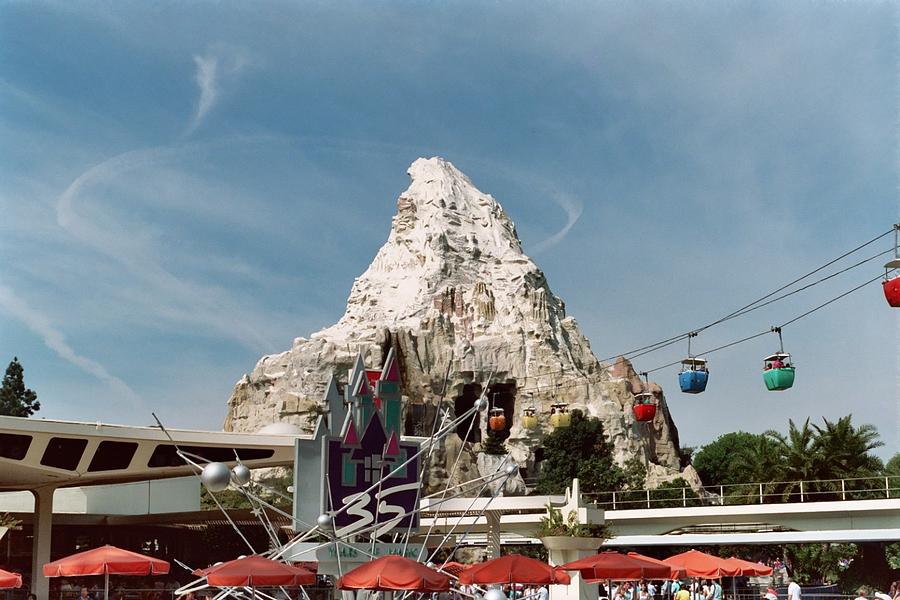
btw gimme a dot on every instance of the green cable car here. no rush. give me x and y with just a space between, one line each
778 372
778 369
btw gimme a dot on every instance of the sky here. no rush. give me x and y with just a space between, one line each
185 187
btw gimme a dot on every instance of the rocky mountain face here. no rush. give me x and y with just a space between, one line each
467 313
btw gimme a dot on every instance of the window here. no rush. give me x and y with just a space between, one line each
14 446
165 455
112 456
64 453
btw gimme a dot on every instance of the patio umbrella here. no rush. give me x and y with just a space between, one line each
700 564
514 568
453 568
394 573
613 566
677 572
252 571
106 560
747 568
9 580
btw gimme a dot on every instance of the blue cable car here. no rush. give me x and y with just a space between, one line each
694 375
694 372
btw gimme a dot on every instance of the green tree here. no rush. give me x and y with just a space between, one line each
493 444
847 448
579 450
15 399
817 563
718 462
797 457
892 468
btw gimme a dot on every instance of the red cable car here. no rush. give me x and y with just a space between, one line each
497 419
890 284
644 403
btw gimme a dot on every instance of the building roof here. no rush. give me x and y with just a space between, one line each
42 452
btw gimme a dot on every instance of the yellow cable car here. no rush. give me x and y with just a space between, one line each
560 416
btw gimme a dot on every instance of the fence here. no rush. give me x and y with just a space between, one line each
773 492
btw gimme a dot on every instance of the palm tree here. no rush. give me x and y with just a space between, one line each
759 461
799 461
844 451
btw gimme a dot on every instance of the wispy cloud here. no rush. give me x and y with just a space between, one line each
37 322
206 81
217 63
573 208
174 298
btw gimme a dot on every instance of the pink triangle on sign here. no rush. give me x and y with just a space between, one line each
350 438
391 371
362 388
393 446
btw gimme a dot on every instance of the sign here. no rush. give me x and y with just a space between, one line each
369 474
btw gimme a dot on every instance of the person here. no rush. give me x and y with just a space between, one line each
896 590
682 594
643 593
543 593
861 594
715 590
31 597
666 589
881 596
651 590
771 594
85 594
777 363
676 587
794 591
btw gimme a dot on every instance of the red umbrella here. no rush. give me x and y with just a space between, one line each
513 568
9 580
106 560
700 564
393 573
748 568
255 571
620 567
453 568
677 572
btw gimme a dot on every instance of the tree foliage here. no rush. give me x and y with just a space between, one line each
493 444
716 462
15 399
579 450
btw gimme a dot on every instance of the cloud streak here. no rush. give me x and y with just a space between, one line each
218 63
174 298
573 208
56 341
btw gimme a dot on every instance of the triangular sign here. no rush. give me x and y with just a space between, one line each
350 437
393 446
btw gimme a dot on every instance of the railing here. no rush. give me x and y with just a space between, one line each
772 492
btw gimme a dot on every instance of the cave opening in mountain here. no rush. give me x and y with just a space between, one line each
463 403
417 422
503 396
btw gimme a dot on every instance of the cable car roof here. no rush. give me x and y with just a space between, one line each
694 360
893 264
776 356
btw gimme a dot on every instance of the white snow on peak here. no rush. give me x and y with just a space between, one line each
447 234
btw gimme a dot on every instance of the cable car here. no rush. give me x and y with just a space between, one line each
497 419
778 369
891 285
644 407
560 416
694 372
529 419
644 403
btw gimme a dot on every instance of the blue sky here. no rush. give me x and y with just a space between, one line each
187 186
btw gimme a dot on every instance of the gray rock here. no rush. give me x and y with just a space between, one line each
453 293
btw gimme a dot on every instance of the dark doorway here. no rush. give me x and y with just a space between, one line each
461 404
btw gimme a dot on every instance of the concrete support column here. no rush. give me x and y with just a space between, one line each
493 533
40 550
564 549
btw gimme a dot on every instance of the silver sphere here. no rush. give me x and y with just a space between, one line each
481 404
216 476
241 475
494 594
430 565
325 522
512 469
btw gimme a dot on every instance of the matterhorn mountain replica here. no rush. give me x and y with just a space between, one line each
467 313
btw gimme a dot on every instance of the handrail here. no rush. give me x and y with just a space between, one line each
769 492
